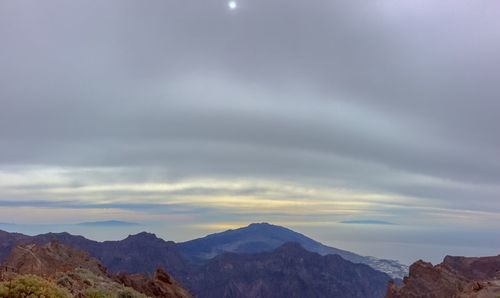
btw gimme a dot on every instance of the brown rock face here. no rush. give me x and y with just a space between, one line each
483 268
161 285
454 277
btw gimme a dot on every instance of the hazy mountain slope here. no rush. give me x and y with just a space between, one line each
264 237
8 241
143 252
288 271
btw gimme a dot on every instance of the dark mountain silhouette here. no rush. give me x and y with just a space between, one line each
144 252
266 264
262 237
454 277
288 271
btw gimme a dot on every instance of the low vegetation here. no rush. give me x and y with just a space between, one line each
31 286
98 286
122 293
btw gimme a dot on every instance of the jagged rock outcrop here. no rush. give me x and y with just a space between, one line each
161 285
454 277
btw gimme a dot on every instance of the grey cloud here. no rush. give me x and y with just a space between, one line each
338 93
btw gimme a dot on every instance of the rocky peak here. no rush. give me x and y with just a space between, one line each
259 224
142 236
163 276
422 269
161 285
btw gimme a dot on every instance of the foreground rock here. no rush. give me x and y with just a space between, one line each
82 275
454 277
161 285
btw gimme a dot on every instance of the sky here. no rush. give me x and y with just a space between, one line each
368 125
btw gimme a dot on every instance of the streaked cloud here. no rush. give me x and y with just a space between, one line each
366 222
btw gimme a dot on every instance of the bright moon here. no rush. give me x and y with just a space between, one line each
232 5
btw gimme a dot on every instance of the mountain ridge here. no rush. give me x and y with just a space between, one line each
129 254
261 237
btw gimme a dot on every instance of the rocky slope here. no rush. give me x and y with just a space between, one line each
83 275
288 271
454 277
264 237
8 241
51 258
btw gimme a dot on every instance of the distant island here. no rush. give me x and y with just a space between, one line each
108 223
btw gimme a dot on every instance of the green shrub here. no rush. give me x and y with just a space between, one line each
130 293
31 286
112 293
95 293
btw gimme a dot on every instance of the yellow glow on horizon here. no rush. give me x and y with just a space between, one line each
268 198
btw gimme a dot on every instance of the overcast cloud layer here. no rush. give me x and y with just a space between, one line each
303 113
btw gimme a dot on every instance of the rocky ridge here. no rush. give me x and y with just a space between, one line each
454 277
